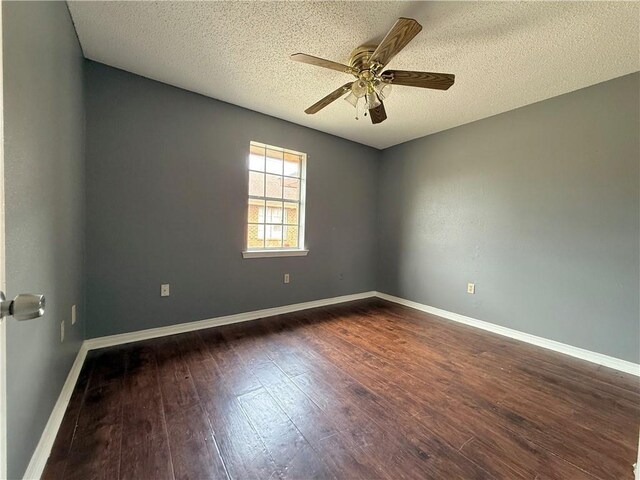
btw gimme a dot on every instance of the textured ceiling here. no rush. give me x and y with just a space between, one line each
504 54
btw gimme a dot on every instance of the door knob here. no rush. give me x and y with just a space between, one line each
24 307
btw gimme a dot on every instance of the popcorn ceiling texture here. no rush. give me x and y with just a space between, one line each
504 54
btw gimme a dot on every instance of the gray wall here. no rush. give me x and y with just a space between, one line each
44 168
538 206
166 172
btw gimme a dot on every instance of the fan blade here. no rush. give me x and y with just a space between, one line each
398 37
320 62
439 81
333 96
378 114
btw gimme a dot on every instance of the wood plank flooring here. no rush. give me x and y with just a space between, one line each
368 390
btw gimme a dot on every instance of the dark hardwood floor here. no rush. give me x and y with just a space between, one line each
364 390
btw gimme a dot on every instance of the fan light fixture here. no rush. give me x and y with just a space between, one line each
373 86
368 93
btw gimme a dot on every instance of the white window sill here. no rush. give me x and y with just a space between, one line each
274 253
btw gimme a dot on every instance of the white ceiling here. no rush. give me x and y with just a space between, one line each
504 54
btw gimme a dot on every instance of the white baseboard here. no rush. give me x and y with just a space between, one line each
42 451
594 357
41 454
119 339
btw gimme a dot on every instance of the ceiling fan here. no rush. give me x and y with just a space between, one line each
372 85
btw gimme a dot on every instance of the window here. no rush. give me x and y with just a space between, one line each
275 219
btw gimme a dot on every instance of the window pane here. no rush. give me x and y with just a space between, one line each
256 162
255 236
274 161
256 157
291 213
256 211
274 186
256 149
256 184
291 165
292 188
274 212
273 236
290 237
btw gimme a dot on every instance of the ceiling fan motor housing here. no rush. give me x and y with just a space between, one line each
360 58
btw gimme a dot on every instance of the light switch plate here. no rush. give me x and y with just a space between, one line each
62 331
471 288
164 290
286 278
73 315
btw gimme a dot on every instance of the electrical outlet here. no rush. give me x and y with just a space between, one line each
471 288
164 290
286 278
73 315
62 331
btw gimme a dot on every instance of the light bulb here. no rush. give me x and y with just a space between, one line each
352 99
382 88
372 100
359 88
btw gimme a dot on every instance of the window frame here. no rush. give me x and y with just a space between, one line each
301 249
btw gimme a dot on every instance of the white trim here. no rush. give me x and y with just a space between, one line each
42 451
41 454
302 206
274 253
119 339
594 357
302 203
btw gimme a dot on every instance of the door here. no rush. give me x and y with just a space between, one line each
22 307
3 321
